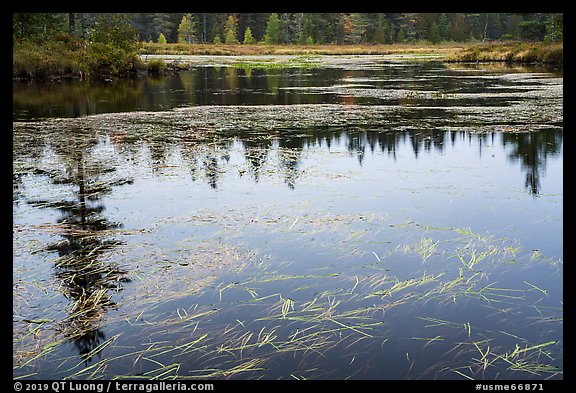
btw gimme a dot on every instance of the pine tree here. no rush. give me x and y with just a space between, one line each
443 26
248 39
554 27
161 39
457 30
164 23
186 29
230 34
434 33
383 32
307 30
272 35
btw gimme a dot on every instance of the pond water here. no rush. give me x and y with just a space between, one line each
310 218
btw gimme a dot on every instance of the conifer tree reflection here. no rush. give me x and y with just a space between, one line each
532 149
290 149
256 154
85 278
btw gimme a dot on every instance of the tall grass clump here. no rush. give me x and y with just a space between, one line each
511 52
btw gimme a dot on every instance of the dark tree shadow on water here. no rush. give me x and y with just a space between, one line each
85 278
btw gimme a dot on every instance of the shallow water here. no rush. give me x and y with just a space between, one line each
363 218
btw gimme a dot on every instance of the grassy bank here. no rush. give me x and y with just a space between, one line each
511 52
291 49
69 58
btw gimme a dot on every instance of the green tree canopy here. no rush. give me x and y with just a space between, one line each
186 29
272 35
230 31
248 39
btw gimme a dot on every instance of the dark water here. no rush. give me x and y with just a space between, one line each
362 218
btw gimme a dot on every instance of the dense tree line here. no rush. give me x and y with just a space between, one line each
50 46
305 28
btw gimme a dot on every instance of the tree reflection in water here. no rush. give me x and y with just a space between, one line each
87 280
530 149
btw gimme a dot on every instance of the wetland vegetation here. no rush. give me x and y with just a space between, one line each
369 218
51 47
291 217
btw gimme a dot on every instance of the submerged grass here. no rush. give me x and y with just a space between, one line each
307 327
261 314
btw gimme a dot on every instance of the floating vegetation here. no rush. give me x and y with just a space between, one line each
278 63
318 315
294 241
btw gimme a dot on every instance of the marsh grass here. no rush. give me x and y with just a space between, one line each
262 49
511 52
273 314
233 312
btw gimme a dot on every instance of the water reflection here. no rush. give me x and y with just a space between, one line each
424 84
85 278
82 165
530 150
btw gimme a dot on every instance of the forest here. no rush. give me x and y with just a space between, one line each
306 28
51 46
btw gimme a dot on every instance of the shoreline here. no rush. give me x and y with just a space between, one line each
159 59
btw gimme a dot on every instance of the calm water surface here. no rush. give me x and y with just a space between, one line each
361 218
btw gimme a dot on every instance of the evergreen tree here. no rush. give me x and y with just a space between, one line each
186 29
383 31
143 23
37 25
494 27
457 30
230 31
248 39
443 26
279 28
291 25
161 39
533 27
407 24
307 30
512 29
273 29
334 31
554 27
166 24
434 36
